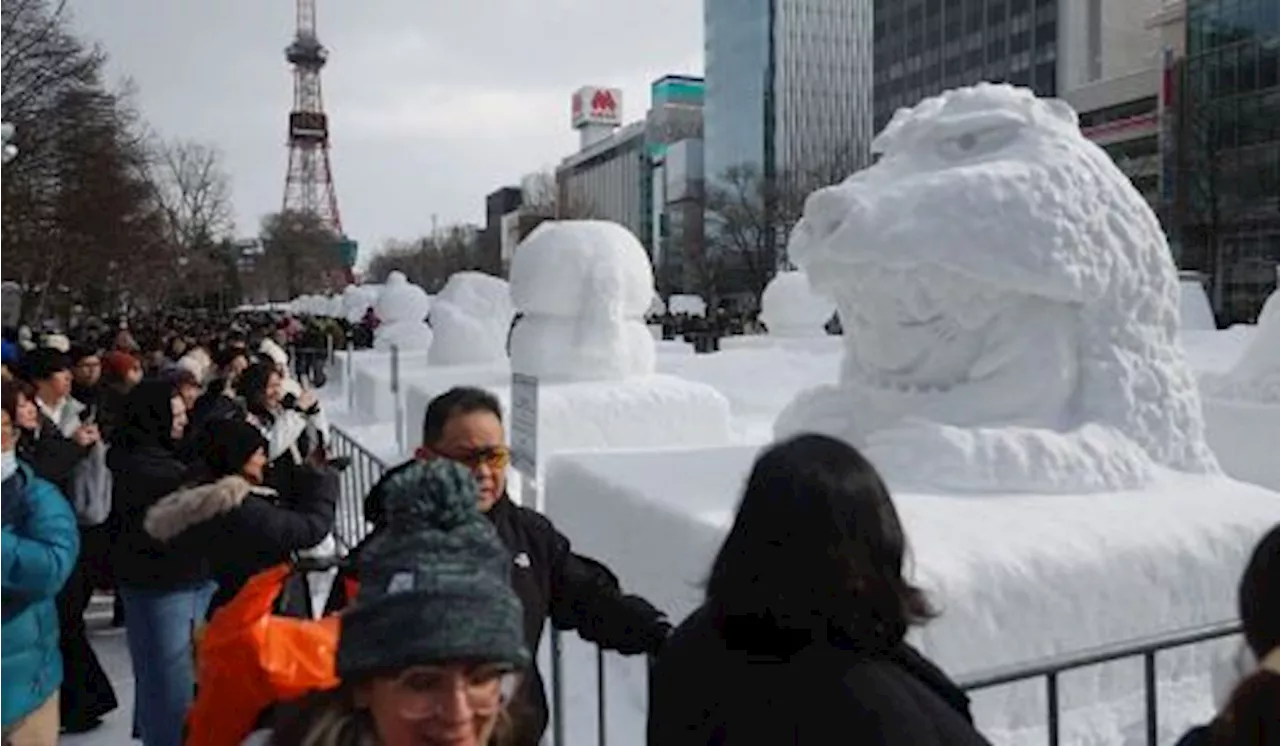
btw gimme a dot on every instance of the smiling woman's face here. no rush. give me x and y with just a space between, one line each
455 704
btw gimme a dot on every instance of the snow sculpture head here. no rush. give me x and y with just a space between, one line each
581 288
471 318
1009 304
402 308
790 308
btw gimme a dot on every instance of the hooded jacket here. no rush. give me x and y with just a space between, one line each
40 544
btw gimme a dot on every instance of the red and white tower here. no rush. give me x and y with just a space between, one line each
308 186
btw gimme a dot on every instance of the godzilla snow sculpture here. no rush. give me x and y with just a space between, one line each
1009 303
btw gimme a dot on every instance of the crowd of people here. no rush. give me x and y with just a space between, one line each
174 479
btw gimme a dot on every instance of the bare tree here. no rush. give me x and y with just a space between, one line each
193 193
547 197
300 255
430 261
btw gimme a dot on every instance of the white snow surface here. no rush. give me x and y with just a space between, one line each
690 305
790 308
1009 303
582 287
1017 577
402 309
1194 311
470 318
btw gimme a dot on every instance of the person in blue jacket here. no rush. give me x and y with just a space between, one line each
40 544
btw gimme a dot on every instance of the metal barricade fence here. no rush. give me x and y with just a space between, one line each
1050 669
350 528
356 480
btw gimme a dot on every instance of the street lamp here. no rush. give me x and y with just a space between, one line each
9 150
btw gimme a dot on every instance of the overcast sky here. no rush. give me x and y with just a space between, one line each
432 103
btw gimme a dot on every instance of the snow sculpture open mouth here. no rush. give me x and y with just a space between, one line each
1009 306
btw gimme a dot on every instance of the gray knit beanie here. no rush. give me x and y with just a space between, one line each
434 581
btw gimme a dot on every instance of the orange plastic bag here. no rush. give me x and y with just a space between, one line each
248 658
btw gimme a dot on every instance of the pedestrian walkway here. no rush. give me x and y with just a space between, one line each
113 652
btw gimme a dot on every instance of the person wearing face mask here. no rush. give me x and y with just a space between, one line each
39 546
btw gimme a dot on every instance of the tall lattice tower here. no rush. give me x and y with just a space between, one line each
308 186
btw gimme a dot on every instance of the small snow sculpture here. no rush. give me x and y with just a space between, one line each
402 308
656 307
1009 303
790 307
471 318
582 287
356 301
1256 376
689 305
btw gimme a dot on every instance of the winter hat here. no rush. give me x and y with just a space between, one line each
116 364
227 445
57 342
8 352
435 581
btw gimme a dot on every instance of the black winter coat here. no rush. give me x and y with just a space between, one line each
142 475
50 454
572 591
240 529
776 687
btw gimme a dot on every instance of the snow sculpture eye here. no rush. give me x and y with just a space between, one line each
976 142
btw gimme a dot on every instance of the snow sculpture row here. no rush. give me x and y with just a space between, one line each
1009 304
471 318
402 314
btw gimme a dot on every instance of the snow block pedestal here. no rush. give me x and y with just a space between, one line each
1016 577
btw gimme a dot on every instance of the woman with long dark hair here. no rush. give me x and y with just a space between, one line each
802 634
166 589
1251 716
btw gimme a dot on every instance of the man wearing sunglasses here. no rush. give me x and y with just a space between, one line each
574 592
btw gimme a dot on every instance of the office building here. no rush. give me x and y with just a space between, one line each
1228 135
788 85
497 204
1122 115
924 47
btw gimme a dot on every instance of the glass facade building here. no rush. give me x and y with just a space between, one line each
924 47
788 84
1230 136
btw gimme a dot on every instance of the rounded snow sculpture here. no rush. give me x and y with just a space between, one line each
582 288
471 318
402 309
356 301
1256 376
790 307
1009 304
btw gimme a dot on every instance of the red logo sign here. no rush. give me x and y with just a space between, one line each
603 103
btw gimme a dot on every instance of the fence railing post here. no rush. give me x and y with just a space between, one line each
395 397
349 371
557 688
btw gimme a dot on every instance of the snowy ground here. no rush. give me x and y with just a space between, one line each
113 653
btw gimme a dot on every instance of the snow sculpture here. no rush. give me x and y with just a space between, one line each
790 308
691 305
356 301
1194 310
471 318
1009 304
1256 377
582 287
402 307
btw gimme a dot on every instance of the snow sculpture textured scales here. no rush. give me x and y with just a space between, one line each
582 288
1009 304
402 310
1256 376
471 318
790 308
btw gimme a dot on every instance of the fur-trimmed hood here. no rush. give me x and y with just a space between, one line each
191 506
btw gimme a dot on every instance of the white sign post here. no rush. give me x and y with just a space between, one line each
10 303
524 436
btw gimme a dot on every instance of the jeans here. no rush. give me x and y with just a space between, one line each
159 627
